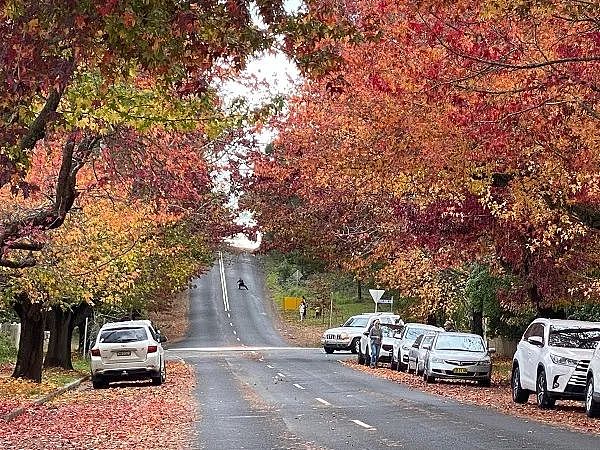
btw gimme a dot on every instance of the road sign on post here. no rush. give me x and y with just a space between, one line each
297 275
376 294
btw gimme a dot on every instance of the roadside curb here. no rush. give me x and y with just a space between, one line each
46 398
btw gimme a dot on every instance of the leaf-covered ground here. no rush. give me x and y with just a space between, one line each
128 415
569 414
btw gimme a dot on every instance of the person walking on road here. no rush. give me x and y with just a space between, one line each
375 335
302 310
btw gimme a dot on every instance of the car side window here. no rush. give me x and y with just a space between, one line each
539 331
529 331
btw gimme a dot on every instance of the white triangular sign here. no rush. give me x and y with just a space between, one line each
376 294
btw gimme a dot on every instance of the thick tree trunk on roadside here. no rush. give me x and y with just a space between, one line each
31 345
477 322
63 322
59 347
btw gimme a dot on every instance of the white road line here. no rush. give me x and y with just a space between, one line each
230 323
362 424
223 285
228 316
320 400
299 387
234 332
270 367
238 339
281 375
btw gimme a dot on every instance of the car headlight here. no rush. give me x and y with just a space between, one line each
437 360
344 336
483 362
563 361
405 347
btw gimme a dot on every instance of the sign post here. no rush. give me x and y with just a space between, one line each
376 294
297 275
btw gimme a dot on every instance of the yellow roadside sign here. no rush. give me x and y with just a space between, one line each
291 303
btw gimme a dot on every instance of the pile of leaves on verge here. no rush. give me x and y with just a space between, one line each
127 415
569 414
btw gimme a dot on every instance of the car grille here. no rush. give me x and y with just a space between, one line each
459 363
387 347
579 375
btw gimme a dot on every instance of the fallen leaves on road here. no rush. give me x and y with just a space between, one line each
567 413
127 415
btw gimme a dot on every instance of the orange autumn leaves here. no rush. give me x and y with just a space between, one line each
460 132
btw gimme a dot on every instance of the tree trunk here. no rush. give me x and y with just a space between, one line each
31 345
59 347
477 322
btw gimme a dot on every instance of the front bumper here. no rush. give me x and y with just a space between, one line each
463 372
567 381
337 344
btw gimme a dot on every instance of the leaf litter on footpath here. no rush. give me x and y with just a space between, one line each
570 414
126 415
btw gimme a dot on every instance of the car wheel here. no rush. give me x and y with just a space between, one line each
355 346
544 401
328 350
519 395
408 369
398 363
99 383
393 364
367 358
157 380
163 373
486 382
361 358
592 407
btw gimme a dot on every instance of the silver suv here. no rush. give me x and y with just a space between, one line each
552 360
130 350
346 336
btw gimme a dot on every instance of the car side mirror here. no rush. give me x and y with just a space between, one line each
427 346
366 333
536 340
491 350
162 339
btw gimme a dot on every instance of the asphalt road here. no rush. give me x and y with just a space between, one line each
256 392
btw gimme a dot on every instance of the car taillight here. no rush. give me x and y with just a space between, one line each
152 348
95 352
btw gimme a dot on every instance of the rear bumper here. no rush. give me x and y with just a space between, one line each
126 374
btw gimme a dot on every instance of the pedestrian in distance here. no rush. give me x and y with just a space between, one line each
302 309
375 335
305 310
449 325
241 284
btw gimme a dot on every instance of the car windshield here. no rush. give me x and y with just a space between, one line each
413 333
459 343
584 338
120 335
356 322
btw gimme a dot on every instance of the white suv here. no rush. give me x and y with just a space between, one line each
385 318
347 336
592 391
552 360
129 350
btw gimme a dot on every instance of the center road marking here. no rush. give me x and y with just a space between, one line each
320 400
281 375
299 387
234 332
362 424
223 285
270 367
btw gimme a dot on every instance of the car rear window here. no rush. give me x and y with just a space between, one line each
119 335
585 338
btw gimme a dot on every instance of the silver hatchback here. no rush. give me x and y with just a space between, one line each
130 350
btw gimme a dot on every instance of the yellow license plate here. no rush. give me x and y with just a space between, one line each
460 370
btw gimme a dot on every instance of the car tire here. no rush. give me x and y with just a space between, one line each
159 378
408 369
328 350
592 407
393 364
544 401
398 363
99 383
485 382
367 358
355 346
360 358
519 395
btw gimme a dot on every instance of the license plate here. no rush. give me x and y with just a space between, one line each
460 370
124 353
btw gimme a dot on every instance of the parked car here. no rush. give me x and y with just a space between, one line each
418 353
346 336
404 339
130 350
592 391
385 318
552 360
455 355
